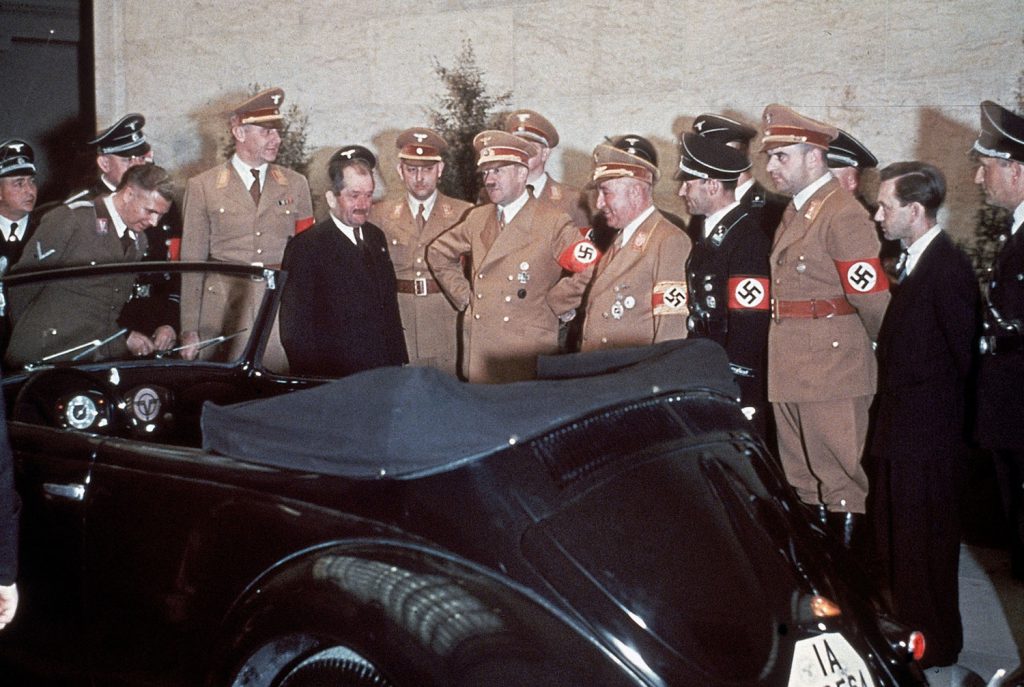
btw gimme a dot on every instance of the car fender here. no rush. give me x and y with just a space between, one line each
419 616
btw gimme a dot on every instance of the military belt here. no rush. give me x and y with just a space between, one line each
813 309
421 286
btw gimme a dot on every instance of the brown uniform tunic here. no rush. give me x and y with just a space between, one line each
822 371
428 318
638 294
568 199
221 222
516 291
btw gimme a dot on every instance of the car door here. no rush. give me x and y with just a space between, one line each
52 470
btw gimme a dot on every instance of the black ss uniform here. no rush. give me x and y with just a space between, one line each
727 278
1000 384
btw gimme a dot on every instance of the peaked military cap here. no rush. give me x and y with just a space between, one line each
125 138
846 151
354 152
706 158
636 145
502 147
784 127
262 109
16 158
1002 133
532 126
422 144
722 129
614 163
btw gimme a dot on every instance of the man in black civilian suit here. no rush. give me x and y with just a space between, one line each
339 307
764 206
925 349
727 271
1000 151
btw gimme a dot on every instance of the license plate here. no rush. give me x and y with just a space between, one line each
828 660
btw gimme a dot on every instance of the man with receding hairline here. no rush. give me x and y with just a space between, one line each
339 308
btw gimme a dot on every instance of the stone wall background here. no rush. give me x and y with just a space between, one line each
905 77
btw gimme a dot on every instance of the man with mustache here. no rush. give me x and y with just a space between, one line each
516 248
339 308
410 222
243 210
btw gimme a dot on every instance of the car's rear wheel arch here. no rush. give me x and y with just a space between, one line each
415 616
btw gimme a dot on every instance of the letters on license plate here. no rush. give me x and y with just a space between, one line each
828 660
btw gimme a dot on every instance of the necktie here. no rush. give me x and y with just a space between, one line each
254 189
126 241
501 219
529 189
13 238
901 266
421 220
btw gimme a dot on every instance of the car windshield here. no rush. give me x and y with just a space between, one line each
112 313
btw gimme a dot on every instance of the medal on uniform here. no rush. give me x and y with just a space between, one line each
101 226
629 302
617 310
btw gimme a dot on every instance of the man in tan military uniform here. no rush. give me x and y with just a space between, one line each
535 128
638 293
243 210
517 248
829 297
410 222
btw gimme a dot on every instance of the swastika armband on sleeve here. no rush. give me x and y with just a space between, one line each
579 256
303 224
669 298
862 276
748 293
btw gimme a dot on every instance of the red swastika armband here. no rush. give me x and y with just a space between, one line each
302 225
669 298
579 256
748 293
862 276
174 249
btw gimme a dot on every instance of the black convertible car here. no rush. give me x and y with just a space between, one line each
216 523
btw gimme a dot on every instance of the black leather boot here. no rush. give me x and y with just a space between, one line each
847 527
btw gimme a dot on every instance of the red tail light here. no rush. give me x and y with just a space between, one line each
916 645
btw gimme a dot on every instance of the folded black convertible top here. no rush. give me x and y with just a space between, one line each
391 422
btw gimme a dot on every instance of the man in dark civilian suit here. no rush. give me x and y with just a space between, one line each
925 351
727 273
1000 151
339 307
765 207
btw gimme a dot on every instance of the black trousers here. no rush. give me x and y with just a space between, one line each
1009 467
917 531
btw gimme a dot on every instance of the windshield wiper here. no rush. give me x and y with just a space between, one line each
203 344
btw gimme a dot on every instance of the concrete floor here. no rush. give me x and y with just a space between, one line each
992 609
